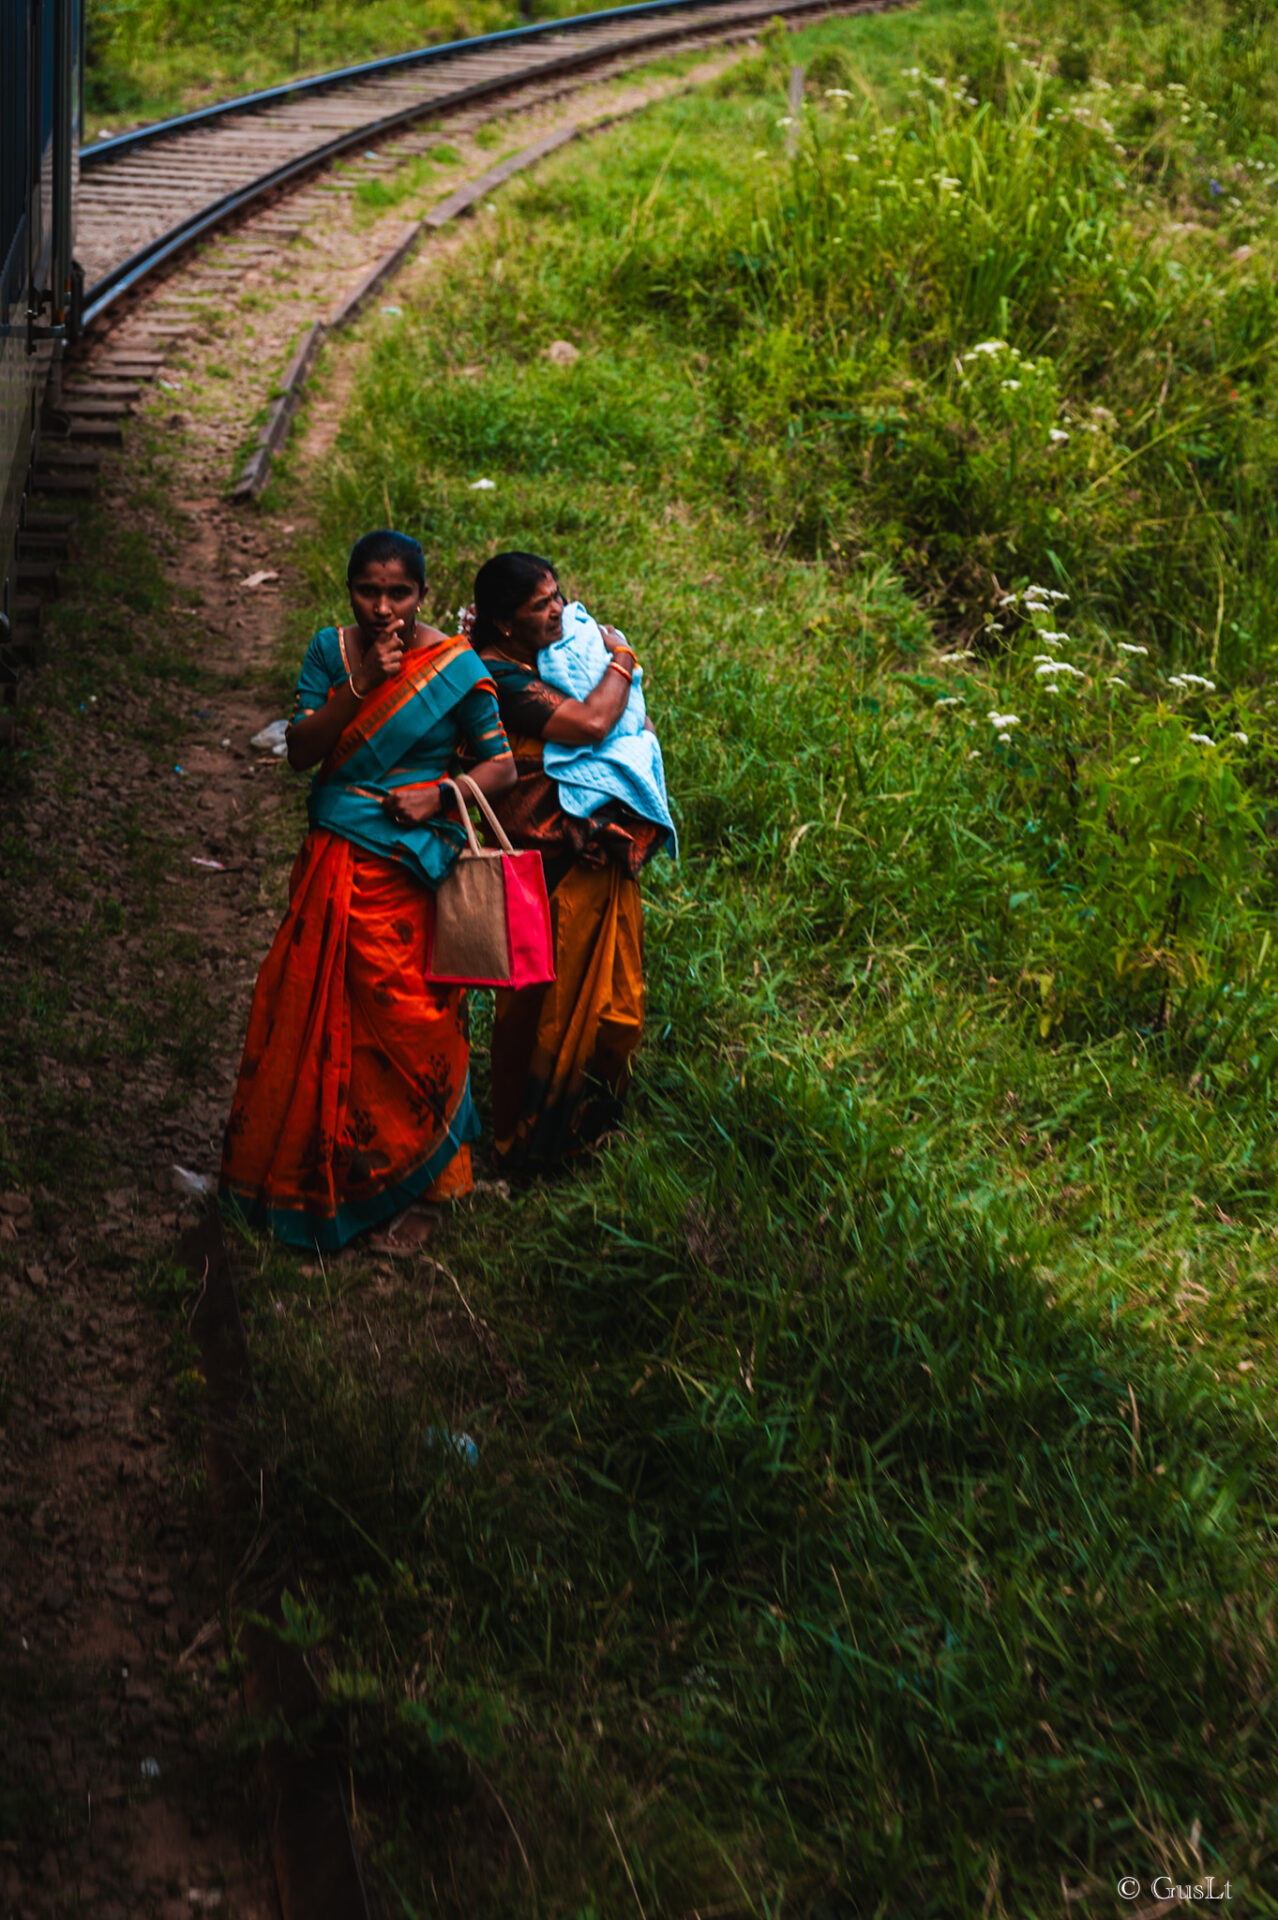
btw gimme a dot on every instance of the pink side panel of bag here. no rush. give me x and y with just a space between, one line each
532 954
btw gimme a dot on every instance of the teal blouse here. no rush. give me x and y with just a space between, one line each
447 706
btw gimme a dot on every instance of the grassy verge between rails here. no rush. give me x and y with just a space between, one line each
875 1486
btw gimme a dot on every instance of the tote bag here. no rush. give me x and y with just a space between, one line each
492 913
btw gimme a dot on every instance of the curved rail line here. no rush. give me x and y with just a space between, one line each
145 196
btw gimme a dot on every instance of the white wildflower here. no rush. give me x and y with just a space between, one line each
1126 646
483 486
786 122
1116 681
1060 666
946 184
853 157
949 659
1196 680
1005 739
950 700
1052 635
1202 740
1011 386
1001 721
1057 436
1241 738
985 346
837 93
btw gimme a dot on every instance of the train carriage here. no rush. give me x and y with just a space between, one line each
41 71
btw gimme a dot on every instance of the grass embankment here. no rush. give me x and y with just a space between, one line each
876 1472
151 58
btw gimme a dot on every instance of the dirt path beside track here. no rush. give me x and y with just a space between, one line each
144 847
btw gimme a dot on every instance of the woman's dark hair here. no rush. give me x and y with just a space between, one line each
385 545
501 587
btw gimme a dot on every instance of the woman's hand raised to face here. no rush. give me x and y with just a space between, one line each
384 600
382 659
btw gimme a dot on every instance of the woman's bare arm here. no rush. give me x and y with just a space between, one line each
582 723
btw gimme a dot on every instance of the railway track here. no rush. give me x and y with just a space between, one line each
145 198
147 195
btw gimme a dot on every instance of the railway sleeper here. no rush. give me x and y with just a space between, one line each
102 433
42 546
62 480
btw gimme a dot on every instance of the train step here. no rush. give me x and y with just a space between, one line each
37 521
26 613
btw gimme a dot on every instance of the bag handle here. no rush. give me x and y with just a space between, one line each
477 794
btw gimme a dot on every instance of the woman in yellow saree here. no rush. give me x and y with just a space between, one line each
562 1054
354 1091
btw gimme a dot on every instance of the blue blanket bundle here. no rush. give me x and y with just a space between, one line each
627 764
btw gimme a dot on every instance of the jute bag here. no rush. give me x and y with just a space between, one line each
492 913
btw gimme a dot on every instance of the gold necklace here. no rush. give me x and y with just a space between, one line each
510 658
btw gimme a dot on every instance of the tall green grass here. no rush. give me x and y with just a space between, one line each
875 1492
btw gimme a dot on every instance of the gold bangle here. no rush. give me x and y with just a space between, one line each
350 681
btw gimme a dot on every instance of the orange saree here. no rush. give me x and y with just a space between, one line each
354 1091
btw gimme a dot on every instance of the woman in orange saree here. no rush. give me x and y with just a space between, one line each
562 1055
354 1090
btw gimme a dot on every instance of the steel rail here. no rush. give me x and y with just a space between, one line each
726 16
289 90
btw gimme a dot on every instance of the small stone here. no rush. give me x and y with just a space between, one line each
159 1600
563 352
15 1203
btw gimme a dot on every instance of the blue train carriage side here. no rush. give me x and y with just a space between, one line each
41 74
